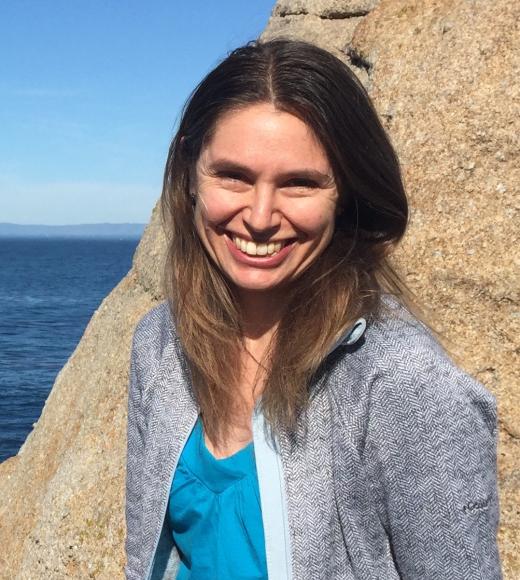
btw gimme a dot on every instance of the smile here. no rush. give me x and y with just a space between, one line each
253 249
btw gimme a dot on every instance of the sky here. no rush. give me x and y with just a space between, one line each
90 95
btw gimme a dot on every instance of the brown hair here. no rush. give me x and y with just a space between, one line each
344 283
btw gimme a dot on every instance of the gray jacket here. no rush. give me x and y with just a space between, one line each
391 474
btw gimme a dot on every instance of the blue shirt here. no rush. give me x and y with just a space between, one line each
215 515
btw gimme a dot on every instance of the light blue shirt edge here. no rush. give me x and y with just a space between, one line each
273 502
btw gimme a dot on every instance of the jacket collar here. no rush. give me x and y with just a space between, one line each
351 336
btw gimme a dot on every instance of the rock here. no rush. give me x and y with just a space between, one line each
443 75
326 9
312 28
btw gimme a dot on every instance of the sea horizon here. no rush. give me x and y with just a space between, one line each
102 230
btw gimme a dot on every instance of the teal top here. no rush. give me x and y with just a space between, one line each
214 514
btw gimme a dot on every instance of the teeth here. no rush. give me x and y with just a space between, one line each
253 249
261 249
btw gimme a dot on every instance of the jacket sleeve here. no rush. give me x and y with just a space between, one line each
134 461
430 453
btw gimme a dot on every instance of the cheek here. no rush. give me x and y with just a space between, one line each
214 209
313 220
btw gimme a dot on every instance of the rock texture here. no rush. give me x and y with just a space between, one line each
443 75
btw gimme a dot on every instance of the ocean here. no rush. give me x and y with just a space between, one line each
49 289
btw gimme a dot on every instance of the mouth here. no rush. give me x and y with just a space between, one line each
259 249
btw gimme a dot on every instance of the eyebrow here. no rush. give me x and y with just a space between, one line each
304 172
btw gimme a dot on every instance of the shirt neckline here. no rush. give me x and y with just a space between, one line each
222 460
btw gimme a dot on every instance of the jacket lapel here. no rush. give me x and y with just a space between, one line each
171 416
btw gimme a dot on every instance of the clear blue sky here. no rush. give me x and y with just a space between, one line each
90 93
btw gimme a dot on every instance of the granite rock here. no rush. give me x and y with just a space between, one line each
326 9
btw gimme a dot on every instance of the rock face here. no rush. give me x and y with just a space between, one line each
443 75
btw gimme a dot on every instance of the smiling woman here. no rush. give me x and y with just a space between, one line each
267 199
289 416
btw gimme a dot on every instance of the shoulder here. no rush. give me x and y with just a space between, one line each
402 369
153 332
155 324
429 450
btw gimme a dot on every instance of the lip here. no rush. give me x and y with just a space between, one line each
259 262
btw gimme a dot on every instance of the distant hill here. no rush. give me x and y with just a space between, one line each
105 230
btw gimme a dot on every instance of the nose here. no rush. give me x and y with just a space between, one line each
262 217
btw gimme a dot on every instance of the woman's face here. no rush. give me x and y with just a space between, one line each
266 197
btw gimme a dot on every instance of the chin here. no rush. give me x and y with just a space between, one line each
254 285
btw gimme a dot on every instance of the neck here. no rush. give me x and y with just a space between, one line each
261 313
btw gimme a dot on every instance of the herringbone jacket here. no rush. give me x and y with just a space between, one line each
391 474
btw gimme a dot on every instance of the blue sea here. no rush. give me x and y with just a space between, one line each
49 289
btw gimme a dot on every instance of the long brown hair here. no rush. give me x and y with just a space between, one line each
344 283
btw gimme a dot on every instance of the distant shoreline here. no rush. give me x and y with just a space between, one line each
77 231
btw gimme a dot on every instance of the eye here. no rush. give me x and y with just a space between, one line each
301 182
231 176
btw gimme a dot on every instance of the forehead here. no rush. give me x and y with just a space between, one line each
261 134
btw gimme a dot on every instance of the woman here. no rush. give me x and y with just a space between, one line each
288 416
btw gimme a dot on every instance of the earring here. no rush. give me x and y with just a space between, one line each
193 198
